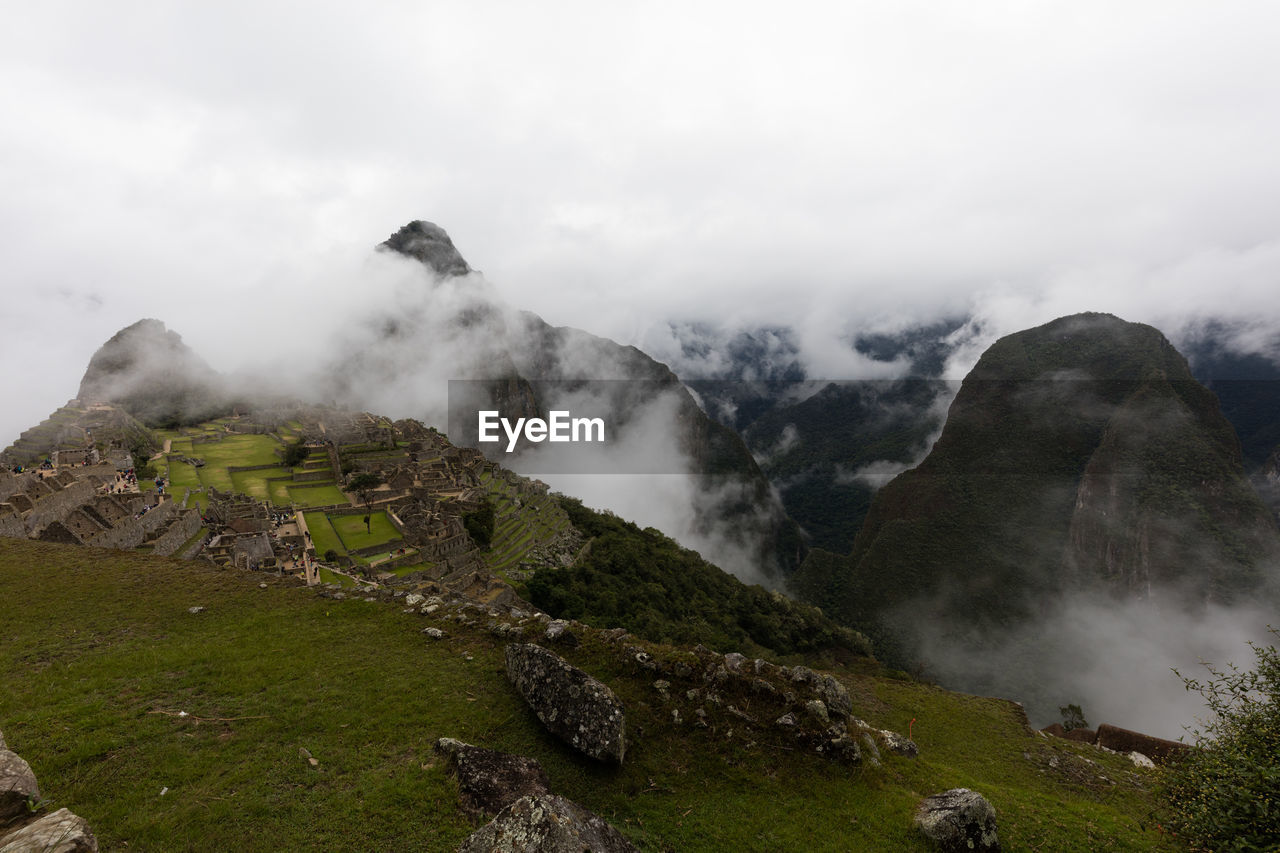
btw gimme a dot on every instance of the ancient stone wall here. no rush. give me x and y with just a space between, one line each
54 506
177 533
11 522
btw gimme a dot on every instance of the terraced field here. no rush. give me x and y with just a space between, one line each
537 520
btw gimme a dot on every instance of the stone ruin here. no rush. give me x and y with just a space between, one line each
238 513
249 551
1116 739
77 506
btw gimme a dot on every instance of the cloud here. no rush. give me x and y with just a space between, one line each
1115 659
614 169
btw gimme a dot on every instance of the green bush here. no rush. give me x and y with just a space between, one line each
643 581
1226 794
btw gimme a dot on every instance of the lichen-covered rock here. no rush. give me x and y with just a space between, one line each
572 705
546 824
958 820
59 832
489 781
558 629
17 786
834 695
839 744
897 744
1141 760
817 709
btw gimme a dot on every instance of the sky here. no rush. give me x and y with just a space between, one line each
227 167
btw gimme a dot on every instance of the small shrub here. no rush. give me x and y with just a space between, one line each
1225 796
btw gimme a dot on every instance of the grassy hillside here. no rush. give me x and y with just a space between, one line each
101 658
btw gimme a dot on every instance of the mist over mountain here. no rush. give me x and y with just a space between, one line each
1242 367
447 334
827 443
148 369
1081 466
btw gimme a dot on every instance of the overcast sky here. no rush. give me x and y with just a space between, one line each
225 167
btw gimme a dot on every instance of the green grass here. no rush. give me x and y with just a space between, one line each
239 451
352 530
323 536
278 492
254 483
320 494
327 576
91 698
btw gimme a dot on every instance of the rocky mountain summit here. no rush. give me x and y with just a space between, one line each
430 244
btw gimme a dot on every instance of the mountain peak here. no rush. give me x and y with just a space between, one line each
429 243
148 370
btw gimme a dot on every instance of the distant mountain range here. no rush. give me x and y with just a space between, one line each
1086 456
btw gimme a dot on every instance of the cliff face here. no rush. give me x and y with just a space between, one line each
1077 456
1163 509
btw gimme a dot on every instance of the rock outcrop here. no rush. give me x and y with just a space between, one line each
546 823
58 832
17 786
958 820
575 707
430 244
22 828
489 781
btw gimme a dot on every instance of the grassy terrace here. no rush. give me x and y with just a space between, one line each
314 494
92 695
352 531
516 529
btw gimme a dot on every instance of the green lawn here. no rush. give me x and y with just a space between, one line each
323 536
182 475
352 530
254 483
239 451
322 494
278 492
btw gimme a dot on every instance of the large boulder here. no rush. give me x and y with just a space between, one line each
546 823
489 781
59 832
575 707
958 820
17 786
